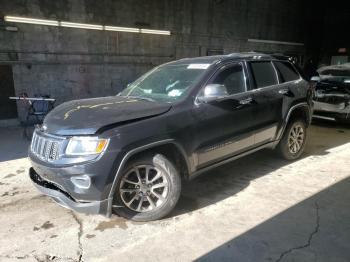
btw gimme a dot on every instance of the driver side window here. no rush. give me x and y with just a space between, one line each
232 78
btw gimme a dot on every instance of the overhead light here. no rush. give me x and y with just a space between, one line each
122 29
83 25
274 42
31 20
157 32
79 25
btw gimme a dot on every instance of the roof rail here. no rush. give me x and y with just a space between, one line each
281 56
245 53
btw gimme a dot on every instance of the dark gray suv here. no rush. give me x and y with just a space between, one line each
127 154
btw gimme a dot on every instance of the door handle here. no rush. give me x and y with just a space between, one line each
285 92
246 101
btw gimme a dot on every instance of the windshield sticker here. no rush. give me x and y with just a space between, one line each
175 92
198 66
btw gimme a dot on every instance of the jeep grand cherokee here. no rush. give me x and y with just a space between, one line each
127 154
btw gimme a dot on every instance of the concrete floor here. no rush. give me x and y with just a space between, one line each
258 208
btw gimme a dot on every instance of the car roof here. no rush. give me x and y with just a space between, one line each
233 56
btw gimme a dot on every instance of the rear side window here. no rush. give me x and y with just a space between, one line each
264 74
286 71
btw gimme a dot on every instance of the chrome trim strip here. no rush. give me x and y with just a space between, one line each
324 117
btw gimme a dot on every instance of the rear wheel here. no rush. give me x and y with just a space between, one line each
293 141
148 189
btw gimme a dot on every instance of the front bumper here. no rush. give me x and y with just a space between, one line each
332 111
64 198
341 108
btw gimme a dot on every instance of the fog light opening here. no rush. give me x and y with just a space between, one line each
81 181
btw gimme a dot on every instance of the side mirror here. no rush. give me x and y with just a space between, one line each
315 79
212 92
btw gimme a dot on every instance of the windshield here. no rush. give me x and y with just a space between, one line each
166 83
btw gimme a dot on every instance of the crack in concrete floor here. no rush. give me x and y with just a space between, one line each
80 233
308 243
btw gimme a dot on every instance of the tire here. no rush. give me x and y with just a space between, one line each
163 192
290 147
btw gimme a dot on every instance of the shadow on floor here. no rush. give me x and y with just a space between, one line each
13 145
229 179
316 229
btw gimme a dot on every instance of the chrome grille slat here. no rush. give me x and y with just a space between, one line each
54 151
36 146
48 149
33 142
45 147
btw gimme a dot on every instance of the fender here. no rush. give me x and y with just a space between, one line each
285 122
133 152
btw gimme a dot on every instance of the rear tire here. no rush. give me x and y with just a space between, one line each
148 189
293 141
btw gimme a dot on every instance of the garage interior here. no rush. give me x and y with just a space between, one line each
259 208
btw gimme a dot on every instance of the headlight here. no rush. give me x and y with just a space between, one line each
86 146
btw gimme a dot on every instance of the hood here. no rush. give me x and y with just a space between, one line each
335 69
87 116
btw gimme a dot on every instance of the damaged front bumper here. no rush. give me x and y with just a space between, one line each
64 199
332 106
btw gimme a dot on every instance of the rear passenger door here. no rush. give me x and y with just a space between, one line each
268 98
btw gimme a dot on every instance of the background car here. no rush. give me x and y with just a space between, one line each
332 93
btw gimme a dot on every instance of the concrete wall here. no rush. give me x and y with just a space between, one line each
69 63
335 31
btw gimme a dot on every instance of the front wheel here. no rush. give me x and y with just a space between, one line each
293 140
148 189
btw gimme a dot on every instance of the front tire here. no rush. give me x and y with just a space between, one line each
293 141
148 189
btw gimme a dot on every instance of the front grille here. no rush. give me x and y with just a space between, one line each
45 148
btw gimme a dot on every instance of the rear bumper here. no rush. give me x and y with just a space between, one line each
64 199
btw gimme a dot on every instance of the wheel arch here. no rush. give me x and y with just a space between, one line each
169 148
300 110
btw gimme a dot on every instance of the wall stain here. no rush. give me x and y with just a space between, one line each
9 175
46 225
90 236
119 222
10 194
19 171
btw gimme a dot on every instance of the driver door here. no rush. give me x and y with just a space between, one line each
225 126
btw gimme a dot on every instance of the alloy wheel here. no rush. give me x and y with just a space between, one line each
296 138
144 188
